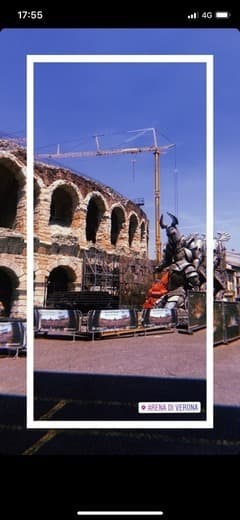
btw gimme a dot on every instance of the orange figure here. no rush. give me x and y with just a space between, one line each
158 289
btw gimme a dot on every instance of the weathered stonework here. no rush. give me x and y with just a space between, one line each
12 235
72 214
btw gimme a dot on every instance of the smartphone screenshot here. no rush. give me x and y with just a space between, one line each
119 242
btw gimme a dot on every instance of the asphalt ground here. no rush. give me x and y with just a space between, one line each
105 379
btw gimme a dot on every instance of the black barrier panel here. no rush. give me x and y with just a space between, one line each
11 334
112 320
57 319
158 318
218 325
35 319
24 326
232 320
197 310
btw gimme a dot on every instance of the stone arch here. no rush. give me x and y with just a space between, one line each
61 279
9 282
65 199
118 219
39 180
142 231
95 193
61 182
12 192
96 210
132 229
36 194
39 190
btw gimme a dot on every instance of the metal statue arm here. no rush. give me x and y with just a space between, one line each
166 261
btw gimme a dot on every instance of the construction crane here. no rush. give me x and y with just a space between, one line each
99 152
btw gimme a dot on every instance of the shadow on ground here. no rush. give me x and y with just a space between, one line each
108 397
113 397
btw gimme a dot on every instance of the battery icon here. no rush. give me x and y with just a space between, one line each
222 14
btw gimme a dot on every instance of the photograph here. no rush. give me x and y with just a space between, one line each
156 316
119 235
92 238
6 333
53 319
111 320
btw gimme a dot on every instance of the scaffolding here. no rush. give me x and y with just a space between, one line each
101 272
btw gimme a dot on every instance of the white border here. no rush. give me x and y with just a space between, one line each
135 424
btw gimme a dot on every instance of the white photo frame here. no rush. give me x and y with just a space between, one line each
208 60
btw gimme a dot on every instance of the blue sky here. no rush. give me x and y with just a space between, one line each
75 101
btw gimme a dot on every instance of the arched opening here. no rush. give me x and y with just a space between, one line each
8 284
9 193
62 206
61 279
133 224
36 193
142 232
95 212
117 220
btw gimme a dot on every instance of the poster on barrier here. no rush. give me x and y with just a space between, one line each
218 325
11 334
197 310
112 320
57 319
232 320
158 318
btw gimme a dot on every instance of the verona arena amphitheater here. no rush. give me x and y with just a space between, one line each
87 237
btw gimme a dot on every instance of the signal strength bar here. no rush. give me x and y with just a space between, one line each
193 16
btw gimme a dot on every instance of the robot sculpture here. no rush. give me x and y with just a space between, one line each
182 258
183 268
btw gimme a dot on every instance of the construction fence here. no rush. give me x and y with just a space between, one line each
115 322
226 324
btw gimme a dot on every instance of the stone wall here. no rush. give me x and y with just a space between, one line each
136 277
13 282
95 211
72 214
